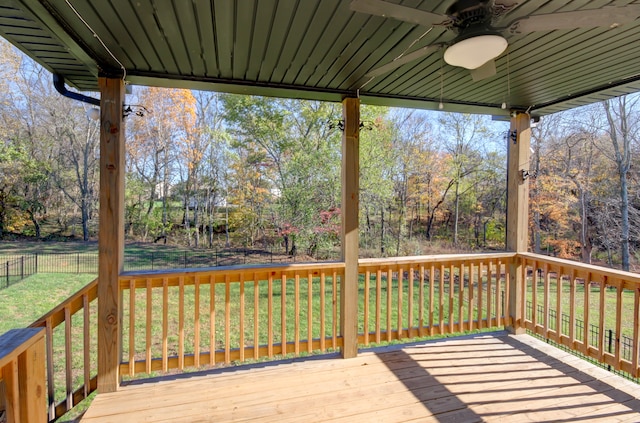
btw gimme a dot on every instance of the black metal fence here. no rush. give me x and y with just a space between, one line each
626 343
15 268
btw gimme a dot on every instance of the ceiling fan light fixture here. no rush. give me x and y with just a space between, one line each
473 52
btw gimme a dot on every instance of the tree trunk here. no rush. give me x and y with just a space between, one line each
456 213
624 212
382 231
85 219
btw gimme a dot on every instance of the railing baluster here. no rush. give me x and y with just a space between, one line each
461 298
296 294
480 296
196 321
270 316
421 302
452 290
165 324
410 304
181 323
132 326
241 318
572 309
212 321
323 328
86 347
68 358
309 312
335 306
378 304
470 299
283 313
441 301
432 296
389 293
489 294
559 289
547 282
585 314
534 293
50 370
636 333
400 302
365 322
256 317
499 311
601 351
227 319
147 347
618 354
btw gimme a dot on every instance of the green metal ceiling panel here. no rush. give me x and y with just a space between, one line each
321 49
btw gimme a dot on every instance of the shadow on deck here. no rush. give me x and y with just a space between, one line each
486 377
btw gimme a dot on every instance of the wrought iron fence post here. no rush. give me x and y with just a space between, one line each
610 346
7 273
21 267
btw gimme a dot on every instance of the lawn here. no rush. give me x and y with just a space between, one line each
24 302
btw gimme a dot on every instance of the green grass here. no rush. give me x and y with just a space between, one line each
24 302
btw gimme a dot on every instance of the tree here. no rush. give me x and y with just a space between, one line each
622 131
462 134
152 150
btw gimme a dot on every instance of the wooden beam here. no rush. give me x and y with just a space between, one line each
519 144
350 205
111 231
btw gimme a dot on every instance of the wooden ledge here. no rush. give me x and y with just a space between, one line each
16 341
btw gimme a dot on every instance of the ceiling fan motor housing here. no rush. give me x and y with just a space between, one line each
465 14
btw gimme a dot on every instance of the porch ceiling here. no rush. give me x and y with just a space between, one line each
320 49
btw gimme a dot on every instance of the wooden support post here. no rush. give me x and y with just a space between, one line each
350 204
22 368
519 143
111 231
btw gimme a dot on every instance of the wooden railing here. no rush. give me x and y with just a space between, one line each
178 319
205 317
22 375
410 297
71 350
582 307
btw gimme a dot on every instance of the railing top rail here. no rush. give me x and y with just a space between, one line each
438 258
242 268
584 268
15 341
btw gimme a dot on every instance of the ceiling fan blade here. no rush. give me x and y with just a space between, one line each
396 11
610 16
415 55
485 71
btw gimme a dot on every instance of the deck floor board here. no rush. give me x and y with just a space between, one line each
482 378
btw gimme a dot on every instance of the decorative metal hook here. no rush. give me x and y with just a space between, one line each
365 125
135 109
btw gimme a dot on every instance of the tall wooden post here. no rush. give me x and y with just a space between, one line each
517 211
111 231
350 204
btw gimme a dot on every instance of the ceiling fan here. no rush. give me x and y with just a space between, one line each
477 36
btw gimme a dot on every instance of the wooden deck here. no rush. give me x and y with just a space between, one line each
492 378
